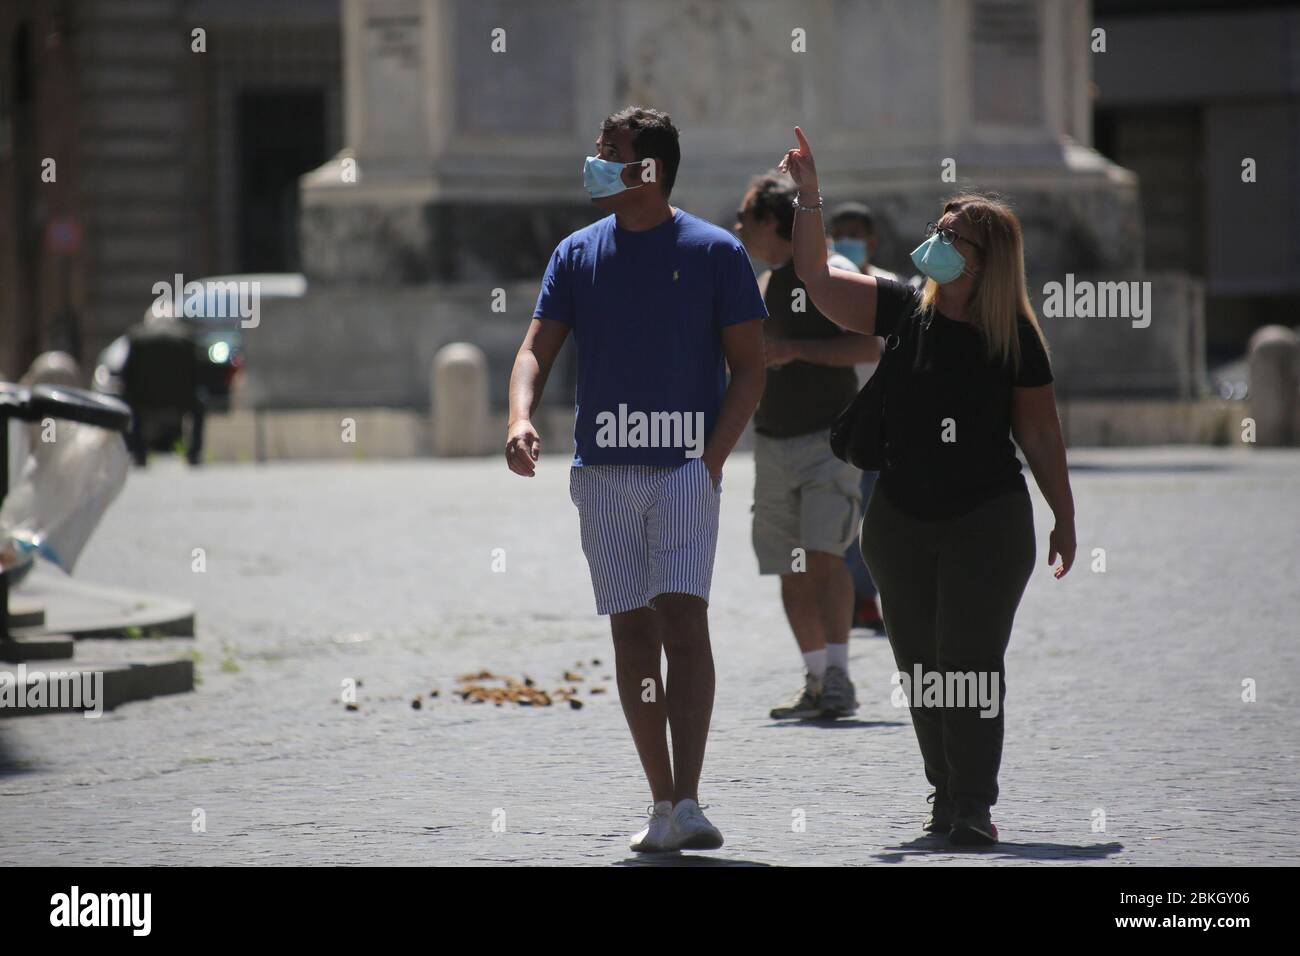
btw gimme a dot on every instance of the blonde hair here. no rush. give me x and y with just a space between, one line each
1000 291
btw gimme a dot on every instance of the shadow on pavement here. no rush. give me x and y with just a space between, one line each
683 859
931 845
11 764
843 724
1154 467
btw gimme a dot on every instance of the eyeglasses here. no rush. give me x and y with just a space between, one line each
947 235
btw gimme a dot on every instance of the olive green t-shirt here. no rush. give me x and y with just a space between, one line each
800 398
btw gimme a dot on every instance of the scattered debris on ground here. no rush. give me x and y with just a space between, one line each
485 687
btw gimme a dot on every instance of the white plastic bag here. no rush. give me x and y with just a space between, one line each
64 488
17 449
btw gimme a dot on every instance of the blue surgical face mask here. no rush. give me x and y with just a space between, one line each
939 260
603 178
855 250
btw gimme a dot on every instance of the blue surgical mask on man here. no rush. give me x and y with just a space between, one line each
855 250
604 178
939 260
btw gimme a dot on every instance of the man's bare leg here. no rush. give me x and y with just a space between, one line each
801 597
684 631
835 584
819 601
637 656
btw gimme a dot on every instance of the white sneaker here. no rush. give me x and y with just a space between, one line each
655 837
691 829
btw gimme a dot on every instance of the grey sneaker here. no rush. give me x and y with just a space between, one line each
839 699
807 702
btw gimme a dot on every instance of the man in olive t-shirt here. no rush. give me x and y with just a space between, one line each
806 501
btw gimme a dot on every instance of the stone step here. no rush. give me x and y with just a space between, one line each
24 645
83 610
119 682
25 613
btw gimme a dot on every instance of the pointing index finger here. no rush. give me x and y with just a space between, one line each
803 143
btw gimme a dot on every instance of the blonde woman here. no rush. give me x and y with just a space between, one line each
949 533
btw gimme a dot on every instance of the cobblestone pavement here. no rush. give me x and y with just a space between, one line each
1124 704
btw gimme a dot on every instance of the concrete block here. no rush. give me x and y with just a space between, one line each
1274 357
36 647
123 682
460 402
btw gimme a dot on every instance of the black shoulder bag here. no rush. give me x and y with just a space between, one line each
858 434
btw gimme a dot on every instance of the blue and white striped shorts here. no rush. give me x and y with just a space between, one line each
646 530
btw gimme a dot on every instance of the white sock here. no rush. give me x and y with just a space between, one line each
815 662
837 655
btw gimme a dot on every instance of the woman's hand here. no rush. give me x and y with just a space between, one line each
798 162
1062 542
846 298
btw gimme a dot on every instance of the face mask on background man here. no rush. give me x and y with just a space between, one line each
855 250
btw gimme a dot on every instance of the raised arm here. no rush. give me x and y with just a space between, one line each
849 348
846 298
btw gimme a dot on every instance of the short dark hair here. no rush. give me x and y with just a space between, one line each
771 195
653 137
854 210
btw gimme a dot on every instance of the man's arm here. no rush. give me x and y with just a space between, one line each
742 344
850 348
532 367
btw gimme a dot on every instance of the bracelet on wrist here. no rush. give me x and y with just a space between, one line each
801 206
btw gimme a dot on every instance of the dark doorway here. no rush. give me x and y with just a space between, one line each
281 136
1165 146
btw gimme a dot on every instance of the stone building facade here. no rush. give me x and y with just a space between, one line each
173 152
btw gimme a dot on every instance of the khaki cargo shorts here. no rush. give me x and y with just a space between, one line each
804 497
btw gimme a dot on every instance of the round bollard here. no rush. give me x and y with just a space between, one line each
53 368
1274 357
460 400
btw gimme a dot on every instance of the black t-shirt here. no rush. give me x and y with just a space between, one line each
800 398
948 442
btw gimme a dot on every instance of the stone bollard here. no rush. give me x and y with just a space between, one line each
459 394
53 368
1274 357
48 368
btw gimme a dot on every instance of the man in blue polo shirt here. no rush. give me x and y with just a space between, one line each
660 304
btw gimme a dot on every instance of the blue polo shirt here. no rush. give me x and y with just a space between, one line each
647 310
